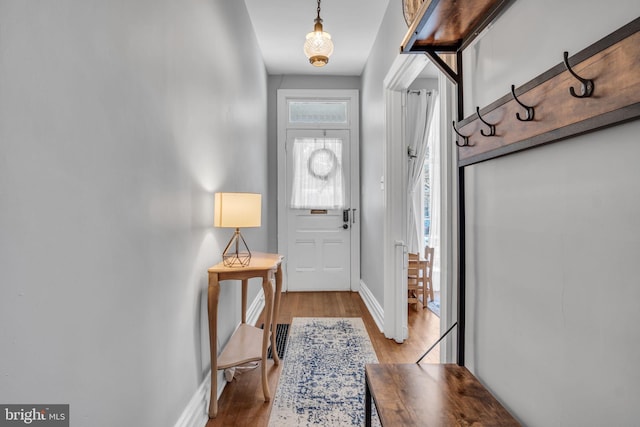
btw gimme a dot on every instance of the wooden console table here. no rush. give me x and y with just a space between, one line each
248 343
430 395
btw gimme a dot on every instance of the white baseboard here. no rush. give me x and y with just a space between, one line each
375 309
196 412
256 307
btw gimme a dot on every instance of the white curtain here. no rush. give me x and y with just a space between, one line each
436 196
318 179
420 119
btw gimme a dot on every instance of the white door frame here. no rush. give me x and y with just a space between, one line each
402 73
404 70
354 128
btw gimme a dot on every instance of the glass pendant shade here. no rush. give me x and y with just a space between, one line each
318 46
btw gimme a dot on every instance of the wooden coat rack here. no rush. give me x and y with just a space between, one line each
596 88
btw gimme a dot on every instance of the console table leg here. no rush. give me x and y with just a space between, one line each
214 294
267 286
245 283
276 311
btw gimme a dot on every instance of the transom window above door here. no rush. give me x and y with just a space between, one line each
318 112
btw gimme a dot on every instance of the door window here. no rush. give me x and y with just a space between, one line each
318 179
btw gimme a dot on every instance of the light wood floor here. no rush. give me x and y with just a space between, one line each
242 403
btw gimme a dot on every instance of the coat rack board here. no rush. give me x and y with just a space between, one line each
595 88
441 29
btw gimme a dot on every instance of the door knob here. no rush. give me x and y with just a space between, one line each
345 226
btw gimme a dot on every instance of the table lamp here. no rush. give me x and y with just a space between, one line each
237 210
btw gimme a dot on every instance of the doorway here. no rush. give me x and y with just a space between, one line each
318 189
401 76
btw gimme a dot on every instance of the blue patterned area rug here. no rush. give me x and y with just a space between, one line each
322 381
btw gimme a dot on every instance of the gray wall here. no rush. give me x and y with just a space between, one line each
553 238
424 83
118 122
385 50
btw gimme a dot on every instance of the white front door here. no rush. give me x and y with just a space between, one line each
318 189
319 216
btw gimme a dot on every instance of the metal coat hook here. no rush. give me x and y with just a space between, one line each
586 85
465 139
492 128
530 110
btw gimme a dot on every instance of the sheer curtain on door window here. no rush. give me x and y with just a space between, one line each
318 181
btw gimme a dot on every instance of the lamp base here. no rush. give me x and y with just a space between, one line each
237 253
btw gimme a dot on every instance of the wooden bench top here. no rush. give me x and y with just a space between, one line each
432 395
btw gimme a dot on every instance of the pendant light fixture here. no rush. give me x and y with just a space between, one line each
318 47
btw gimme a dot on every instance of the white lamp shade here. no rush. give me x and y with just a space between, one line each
237 210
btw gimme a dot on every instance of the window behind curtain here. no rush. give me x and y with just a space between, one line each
318 181
426 198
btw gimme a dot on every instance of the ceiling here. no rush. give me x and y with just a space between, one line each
281 27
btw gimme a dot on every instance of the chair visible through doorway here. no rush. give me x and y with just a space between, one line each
419 283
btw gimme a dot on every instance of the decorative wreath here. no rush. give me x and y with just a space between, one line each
410 9
322 163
